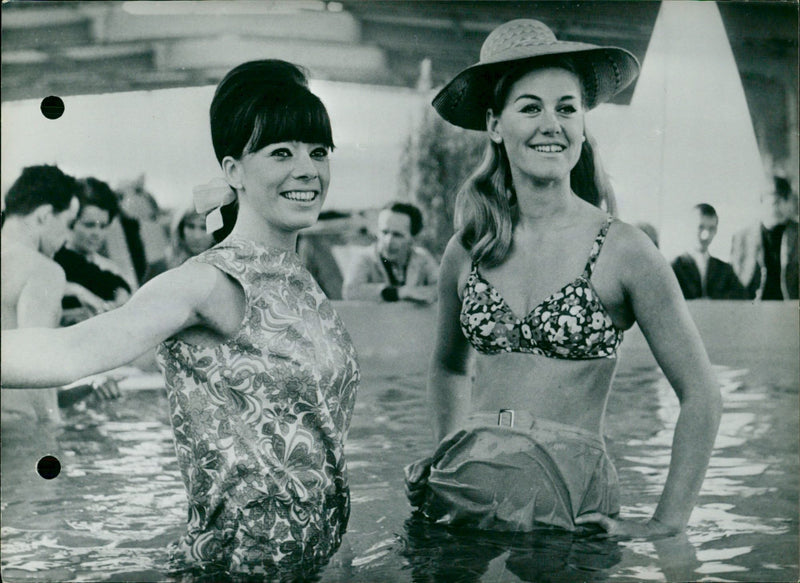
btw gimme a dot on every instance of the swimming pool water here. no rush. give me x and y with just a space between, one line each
119 499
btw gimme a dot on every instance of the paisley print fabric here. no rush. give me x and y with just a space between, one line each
260 422
570 324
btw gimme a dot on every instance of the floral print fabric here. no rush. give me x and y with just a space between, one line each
260 422
570 324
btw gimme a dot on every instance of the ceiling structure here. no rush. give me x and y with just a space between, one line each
80 47
67 48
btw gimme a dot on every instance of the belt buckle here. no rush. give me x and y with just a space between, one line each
506 417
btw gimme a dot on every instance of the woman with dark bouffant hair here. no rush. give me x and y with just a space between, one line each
261 374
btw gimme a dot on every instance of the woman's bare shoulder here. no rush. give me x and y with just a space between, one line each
456 256
456 263
193 279
455 250
200 292
629 242
638 263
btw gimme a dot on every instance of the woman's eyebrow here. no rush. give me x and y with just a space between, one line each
567 97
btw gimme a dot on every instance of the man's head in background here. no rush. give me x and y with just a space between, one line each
398 224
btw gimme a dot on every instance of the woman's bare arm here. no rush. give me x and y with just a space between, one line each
664 318
38 357
449 390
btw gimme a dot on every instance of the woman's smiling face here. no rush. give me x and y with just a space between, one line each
541 124
286 183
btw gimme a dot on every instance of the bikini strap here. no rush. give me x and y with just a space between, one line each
596 247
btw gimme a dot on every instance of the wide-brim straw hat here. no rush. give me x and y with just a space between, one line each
604 71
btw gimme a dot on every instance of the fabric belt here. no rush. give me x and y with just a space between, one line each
525 421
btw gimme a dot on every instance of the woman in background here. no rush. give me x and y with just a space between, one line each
94 282
261 374
541 283
188 237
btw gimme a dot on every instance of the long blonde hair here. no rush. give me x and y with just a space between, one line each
485 208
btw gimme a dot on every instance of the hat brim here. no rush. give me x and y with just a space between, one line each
604 71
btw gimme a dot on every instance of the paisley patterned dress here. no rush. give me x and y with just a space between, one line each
260 422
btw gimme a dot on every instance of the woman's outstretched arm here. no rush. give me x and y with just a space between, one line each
178 299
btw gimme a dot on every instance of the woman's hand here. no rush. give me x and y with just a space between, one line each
620 528
416 478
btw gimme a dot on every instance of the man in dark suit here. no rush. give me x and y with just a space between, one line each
699 273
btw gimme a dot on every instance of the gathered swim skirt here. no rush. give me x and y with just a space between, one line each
513 472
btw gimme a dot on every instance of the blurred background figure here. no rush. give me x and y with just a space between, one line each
394 268
650 231
764 254
94 283
699 274
188 237
39 207
140 236
317 245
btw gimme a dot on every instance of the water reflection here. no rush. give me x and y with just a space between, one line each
441 554
119 500
113 509
750 492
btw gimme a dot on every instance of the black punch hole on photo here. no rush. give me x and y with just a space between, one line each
52 107
48 467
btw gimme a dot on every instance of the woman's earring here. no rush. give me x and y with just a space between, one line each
497 139
583 138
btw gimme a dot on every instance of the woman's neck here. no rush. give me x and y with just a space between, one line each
258 232
544 201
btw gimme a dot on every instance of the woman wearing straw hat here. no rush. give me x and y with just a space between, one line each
542 284
261 374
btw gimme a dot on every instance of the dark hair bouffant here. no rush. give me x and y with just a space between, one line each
264 102
260 103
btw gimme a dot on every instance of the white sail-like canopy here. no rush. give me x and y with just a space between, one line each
687 135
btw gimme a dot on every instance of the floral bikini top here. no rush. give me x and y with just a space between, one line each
570 324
